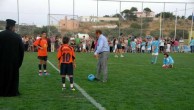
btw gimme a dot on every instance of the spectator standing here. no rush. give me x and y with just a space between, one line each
102 53
11 58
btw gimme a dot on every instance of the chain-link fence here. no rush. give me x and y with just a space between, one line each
137 18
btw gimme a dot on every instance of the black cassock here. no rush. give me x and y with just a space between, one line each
11 57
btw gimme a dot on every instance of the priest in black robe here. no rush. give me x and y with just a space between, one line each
11 57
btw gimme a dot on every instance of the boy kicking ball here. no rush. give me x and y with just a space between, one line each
66 57
168 61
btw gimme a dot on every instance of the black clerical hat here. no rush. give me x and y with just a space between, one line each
10 22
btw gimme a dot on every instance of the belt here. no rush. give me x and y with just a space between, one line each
103 52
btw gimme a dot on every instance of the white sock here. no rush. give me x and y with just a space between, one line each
71 85
44 71
63 85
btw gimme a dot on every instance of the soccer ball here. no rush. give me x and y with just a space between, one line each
91 77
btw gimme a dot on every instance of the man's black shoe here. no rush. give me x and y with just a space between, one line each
95 79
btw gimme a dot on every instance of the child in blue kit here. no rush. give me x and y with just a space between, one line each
168 61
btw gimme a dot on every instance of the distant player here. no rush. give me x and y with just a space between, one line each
155 50
66 57
42 45
133 47
168 61
149 46
143 45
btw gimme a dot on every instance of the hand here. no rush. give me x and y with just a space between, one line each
96 56
40 48
74 65
59 65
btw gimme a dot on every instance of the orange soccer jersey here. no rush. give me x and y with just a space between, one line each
42 42
66 54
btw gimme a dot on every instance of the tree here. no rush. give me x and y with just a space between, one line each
147 11
106 16
189 17
117 15
166 15
182 17
130 14
53 30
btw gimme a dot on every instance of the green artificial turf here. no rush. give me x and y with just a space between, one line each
133 84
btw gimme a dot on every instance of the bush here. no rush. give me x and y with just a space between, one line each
155 33
135 26
147 20
179 34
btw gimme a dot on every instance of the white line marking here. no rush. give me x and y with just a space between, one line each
84 93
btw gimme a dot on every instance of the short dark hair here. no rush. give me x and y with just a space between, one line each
43 32
166 54
65 40
98 31
156 38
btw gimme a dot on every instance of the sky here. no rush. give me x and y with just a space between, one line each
36 11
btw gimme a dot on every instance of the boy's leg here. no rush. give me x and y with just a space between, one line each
155 59
63 81
152 59
71 81
40 67
63 75
45 66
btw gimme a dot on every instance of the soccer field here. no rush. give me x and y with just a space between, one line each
134 84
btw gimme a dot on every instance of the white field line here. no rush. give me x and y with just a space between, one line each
84 93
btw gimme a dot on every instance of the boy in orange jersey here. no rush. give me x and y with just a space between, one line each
66 57
41 44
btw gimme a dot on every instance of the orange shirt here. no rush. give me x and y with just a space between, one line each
42 42
66 54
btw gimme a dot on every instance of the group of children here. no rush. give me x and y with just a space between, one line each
66 58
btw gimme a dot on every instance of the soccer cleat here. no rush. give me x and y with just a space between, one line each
96 79
46 74
40 74
104 81
63 88
122 56
73 89
116 56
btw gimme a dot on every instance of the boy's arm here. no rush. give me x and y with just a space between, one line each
73 55
164 61
59 57
36 44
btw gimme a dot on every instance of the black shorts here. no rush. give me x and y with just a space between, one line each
42 58
66 69
119 46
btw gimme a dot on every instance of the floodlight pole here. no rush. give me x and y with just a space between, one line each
163 22
120 18
175 25
184 20
97 11
48 28
141 19
18 15
73 12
